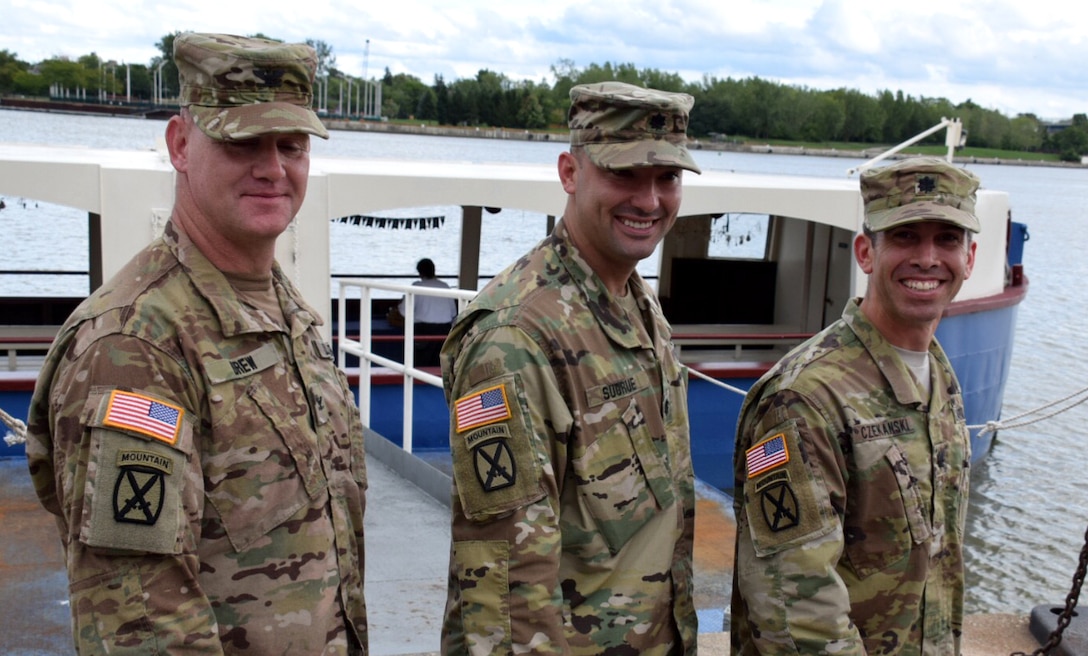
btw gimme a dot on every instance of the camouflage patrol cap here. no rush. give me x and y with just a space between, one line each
623 126
919 189
241 87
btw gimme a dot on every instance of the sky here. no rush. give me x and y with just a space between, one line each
1012 56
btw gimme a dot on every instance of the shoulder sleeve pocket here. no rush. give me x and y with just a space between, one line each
494 460
137 465
786 505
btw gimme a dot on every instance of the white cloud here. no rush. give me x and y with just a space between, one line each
1002 54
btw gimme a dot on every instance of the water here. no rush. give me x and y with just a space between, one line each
1027 521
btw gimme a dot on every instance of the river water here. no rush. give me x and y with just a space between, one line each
1027 520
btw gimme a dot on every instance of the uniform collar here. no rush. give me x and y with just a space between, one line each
233 317
889 362
604 306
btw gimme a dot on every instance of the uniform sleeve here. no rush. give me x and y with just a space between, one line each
114 426
507 422
789 596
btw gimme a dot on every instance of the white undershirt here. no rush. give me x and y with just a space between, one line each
918 363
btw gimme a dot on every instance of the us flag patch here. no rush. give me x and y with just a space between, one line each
144 415
768 454
483 407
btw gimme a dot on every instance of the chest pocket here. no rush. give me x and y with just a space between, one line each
622 480
882 522
261 465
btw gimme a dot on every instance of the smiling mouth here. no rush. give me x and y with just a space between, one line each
922 285
638 225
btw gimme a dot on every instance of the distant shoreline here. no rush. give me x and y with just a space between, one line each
161 112
696 144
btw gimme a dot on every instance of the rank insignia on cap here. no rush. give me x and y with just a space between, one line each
766 455
484 407
144 415
926 184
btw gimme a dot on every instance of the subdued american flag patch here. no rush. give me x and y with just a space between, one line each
144 415
768 454
484 407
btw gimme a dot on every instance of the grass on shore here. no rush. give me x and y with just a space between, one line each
933 150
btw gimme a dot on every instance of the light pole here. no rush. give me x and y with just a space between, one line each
158 83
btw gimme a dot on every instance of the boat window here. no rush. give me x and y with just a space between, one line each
740 236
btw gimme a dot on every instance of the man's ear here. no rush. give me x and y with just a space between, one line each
863 252
177 141
568 168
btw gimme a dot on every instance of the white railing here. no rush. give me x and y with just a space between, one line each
363 347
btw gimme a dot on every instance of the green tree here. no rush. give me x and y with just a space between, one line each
1024 133
863 120
986 127
441 101
531 112
67 78
164 69
825 119
655 79
30 83
714 113
326 61
402 95
10 67
1071 143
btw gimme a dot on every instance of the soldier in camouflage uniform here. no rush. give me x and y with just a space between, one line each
852 456
190 431
573 501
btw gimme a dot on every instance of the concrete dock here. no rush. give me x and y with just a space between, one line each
407 543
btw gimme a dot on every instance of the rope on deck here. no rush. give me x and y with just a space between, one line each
17 426
1045 411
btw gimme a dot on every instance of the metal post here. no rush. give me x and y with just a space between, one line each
916 138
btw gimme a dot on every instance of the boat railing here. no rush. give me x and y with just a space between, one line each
363 346
702 342
696 342
15 340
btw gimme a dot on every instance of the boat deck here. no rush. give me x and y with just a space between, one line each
407 542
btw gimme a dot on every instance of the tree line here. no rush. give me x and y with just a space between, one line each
725 109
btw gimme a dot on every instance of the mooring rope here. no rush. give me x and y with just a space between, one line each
1028 418
17 426
715 381
1043 412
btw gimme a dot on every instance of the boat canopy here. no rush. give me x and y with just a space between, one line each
128 196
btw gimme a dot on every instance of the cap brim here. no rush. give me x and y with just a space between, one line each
250 121
921 211
641 153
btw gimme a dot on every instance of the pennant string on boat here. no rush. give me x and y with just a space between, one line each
394 223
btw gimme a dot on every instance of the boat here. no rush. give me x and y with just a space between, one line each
733 317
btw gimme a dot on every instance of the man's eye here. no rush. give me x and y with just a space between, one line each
239 146
293 149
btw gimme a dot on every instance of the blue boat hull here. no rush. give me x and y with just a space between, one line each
978 341
979 345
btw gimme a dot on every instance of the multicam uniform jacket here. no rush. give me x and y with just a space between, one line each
573 504
206 467
851 500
